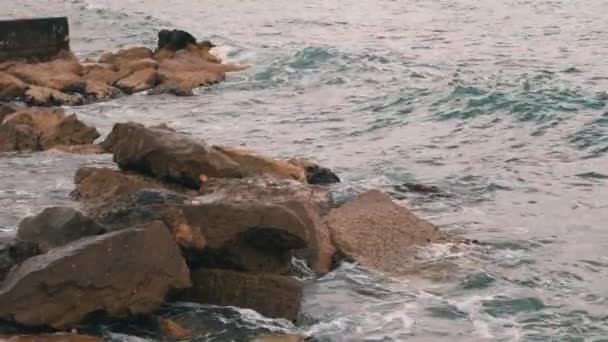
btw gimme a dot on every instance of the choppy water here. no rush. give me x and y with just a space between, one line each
501 103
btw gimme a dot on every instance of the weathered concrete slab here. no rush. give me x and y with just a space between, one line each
40 38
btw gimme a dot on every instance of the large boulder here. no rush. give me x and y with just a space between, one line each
253 163
167 155
56 226
11 87
69 131
41 119
378 233
271 295
62 73
42 128
307 203
14 251
250 224
120 273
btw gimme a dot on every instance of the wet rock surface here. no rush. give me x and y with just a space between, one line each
271 295
57 226
378 233
121 273
179 64
36 129
167 155
14 251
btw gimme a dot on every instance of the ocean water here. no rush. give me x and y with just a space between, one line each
502 104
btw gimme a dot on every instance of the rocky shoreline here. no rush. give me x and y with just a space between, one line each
177 219
177 66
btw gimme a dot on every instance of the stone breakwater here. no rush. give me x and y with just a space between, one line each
177 66
177 219
181 220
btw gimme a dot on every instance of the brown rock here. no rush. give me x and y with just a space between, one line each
248 236
308 203
13 252
97 186
56 226
42 96
163 54
69 131
188 79
139 64
102 73
138 81
41 119
173 89
51 338
18 138
62 73
378 233
118 59
100 91
166 155
11 87
120 273
253 164
271 295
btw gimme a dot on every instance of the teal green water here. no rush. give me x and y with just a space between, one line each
500 103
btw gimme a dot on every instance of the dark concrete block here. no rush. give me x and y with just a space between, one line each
33 39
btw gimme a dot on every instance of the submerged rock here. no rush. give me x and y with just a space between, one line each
57 226
172 329
378 233
271 295
167 155
120 273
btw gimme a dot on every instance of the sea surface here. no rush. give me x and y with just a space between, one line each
502 104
